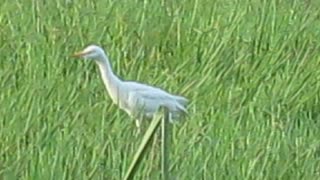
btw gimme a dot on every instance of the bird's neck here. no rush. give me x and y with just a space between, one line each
111 81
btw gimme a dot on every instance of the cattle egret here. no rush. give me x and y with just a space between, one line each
138 100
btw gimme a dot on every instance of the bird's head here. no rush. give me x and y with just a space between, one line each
91 52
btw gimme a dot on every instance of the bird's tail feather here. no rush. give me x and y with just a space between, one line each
181 108
179 114
181 100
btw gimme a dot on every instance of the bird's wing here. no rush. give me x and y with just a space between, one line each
142 95
154 95
134 86
155 99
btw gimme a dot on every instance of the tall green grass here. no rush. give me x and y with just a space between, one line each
250 68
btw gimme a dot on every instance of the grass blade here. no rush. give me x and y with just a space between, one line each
142 148
165 145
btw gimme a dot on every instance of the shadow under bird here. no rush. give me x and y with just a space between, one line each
139 100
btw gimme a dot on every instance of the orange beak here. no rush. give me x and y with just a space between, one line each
79 54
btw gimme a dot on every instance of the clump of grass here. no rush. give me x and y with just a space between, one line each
250 68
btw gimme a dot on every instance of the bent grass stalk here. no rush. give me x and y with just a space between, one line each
146 140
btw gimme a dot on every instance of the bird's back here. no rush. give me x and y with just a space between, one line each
146 100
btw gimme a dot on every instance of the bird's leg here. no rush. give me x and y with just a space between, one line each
138 125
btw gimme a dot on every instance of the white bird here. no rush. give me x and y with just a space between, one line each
138 100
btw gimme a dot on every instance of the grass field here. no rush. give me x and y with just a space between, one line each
251 69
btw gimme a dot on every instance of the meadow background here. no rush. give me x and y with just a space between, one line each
251 69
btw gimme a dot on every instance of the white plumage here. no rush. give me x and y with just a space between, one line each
138 100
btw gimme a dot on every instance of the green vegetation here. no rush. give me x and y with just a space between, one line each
251 69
